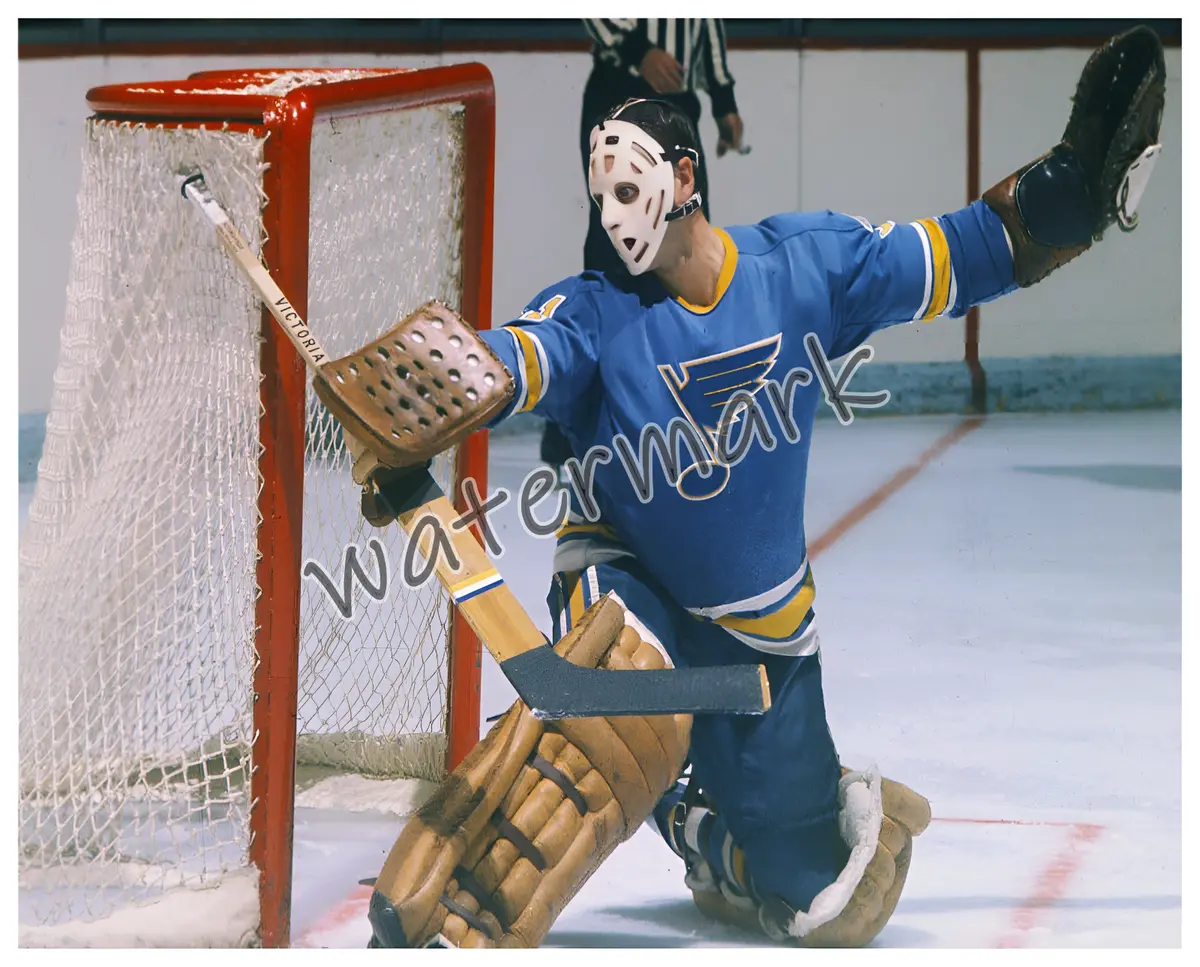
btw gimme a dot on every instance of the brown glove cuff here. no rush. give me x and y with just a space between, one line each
1033 260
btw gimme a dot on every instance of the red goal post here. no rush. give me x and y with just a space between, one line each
282 107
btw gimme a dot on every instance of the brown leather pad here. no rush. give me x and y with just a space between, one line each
514 832
421 387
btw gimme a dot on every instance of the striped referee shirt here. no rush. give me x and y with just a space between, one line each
698 45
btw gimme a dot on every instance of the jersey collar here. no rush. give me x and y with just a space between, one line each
723 280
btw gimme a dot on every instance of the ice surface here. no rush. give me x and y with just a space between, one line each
1003 634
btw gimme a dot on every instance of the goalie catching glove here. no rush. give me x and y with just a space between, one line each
1055 207
511 835
423 386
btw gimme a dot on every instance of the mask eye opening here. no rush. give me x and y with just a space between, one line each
626 193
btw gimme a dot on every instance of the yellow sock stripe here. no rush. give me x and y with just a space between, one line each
739 869
576 607
781 624
532 369
566 584
940 252
558 618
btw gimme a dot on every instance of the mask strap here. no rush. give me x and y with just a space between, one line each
693 203
689 206
681 152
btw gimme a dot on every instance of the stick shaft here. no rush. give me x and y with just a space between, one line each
476 587
196 189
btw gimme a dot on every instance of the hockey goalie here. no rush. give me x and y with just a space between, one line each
705 564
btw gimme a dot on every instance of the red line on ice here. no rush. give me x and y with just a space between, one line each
1051 885
354 907
1003 822
873 501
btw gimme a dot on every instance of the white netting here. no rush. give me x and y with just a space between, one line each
372 690
137 565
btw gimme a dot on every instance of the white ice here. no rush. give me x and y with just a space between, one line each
1003 633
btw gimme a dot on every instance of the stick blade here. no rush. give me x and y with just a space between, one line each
554 688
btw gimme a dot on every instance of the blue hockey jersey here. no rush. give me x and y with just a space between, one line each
642 380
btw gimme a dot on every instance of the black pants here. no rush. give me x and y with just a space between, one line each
606 89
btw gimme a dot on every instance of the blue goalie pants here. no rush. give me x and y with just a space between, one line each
771 779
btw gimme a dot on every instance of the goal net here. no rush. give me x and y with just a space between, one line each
157 668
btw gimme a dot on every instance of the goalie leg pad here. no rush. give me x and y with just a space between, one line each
529 815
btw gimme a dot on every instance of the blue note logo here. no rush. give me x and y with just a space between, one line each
703 389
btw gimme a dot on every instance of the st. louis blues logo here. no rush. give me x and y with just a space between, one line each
703 388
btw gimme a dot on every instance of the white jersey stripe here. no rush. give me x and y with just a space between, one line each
759 601
925 247
519 403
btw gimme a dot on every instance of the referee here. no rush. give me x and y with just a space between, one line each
669 59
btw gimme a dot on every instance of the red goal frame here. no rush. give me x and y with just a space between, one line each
288 120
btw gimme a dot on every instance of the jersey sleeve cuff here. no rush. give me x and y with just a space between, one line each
632 49
723 101
504 344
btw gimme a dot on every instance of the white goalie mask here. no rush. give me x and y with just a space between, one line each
631 178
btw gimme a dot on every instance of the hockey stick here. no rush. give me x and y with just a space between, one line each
550 685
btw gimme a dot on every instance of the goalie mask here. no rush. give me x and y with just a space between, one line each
631 178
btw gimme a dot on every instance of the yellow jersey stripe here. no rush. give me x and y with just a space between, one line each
781 624
727 269
532 371
940 294
602 529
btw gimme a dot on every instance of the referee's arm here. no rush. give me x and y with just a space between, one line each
624 41
715 63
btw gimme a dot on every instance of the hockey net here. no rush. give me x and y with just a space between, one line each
141 564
